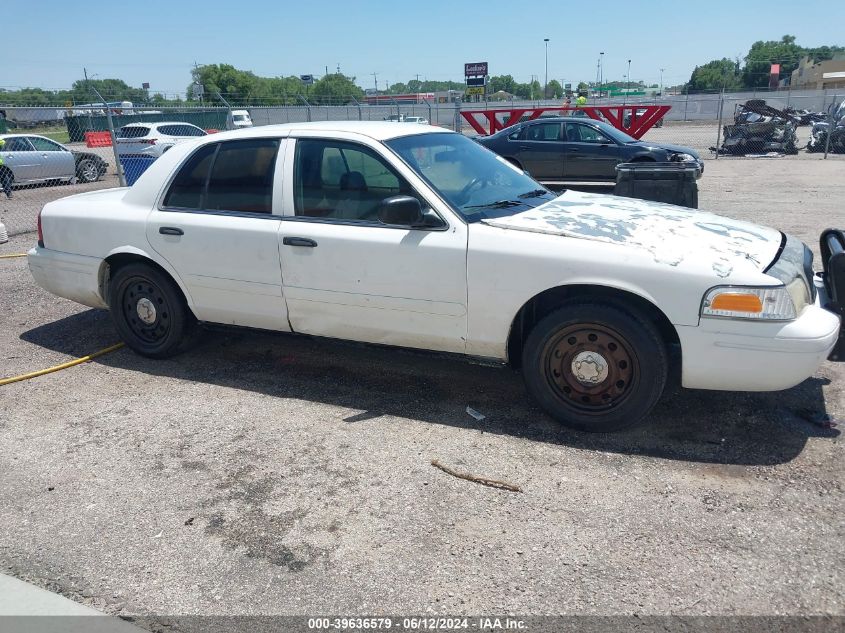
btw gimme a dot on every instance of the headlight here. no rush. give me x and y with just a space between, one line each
684 158
772 303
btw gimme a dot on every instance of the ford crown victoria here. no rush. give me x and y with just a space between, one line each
418 237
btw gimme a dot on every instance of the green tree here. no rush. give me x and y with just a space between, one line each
719 74
336 89
502 82
762 55
555 89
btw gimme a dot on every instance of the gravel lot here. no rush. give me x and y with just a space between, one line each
273 474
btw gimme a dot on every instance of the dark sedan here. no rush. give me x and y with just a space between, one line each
566 149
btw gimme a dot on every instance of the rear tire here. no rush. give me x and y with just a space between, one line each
595 366
149 311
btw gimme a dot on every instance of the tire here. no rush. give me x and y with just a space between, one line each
87 170
621 357
149 311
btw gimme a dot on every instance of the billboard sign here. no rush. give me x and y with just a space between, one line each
475 69
476 81
475 90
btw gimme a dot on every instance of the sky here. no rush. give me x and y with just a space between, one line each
159 41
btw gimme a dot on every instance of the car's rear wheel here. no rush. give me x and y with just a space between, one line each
87 170
595 366
149 311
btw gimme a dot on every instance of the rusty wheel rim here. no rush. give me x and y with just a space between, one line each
590 368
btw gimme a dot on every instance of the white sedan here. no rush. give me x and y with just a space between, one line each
419 237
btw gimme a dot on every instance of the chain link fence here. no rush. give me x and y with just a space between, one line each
48 152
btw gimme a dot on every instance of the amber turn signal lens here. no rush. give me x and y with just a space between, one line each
737 302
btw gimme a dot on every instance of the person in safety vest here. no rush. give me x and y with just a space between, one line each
581 101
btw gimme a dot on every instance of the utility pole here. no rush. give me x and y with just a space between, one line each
661 81
628 82
375 77
121 177
546 83
533 79
338 68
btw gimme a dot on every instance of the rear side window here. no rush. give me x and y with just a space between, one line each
180 130
134 131
17 145
189 185
242 177
233 176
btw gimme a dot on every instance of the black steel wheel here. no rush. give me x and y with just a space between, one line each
149 311
595 366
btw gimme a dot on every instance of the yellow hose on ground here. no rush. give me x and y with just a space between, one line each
72 363
15 255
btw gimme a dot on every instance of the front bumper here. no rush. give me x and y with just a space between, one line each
734 355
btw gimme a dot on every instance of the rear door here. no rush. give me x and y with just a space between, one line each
133 139
56 161
589 154
540 150
217 225
20 156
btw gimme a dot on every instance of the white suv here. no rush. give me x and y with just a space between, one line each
154 139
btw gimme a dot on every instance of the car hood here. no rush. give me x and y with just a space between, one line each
672 235
678 149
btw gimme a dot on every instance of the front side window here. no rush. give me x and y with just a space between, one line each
233 176
577 133
343 181
43 145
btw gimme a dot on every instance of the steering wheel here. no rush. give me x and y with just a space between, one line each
463 194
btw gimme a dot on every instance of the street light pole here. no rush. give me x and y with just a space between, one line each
628 81
661 81
601 73
546 83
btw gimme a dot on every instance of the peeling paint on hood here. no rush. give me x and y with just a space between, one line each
671 234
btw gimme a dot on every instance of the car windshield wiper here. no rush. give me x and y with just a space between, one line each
534 193
498 204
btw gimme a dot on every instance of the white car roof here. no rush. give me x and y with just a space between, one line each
378 130
152 123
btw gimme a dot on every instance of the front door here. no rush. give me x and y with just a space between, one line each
216 228
56 161
346 275
589 154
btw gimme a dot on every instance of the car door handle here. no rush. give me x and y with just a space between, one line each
299 241
170 230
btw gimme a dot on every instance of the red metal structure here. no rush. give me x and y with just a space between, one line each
639 124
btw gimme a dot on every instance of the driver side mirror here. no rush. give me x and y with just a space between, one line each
401 211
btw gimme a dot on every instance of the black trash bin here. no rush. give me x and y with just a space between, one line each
673 183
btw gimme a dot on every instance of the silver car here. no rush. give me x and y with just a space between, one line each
31 159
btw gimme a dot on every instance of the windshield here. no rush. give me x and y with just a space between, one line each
617 135
477 183
239 117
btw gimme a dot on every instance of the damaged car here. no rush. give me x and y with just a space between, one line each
418 237
758 129
833 126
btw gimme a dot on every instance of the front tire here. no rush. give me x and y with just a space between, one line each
149 311
87 170
595 366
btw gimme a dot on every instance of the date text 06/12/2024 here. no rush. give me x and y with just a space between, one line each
417 623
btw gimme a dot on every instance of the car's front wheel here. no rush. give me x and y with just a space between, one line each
149 311
87 170
595 366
